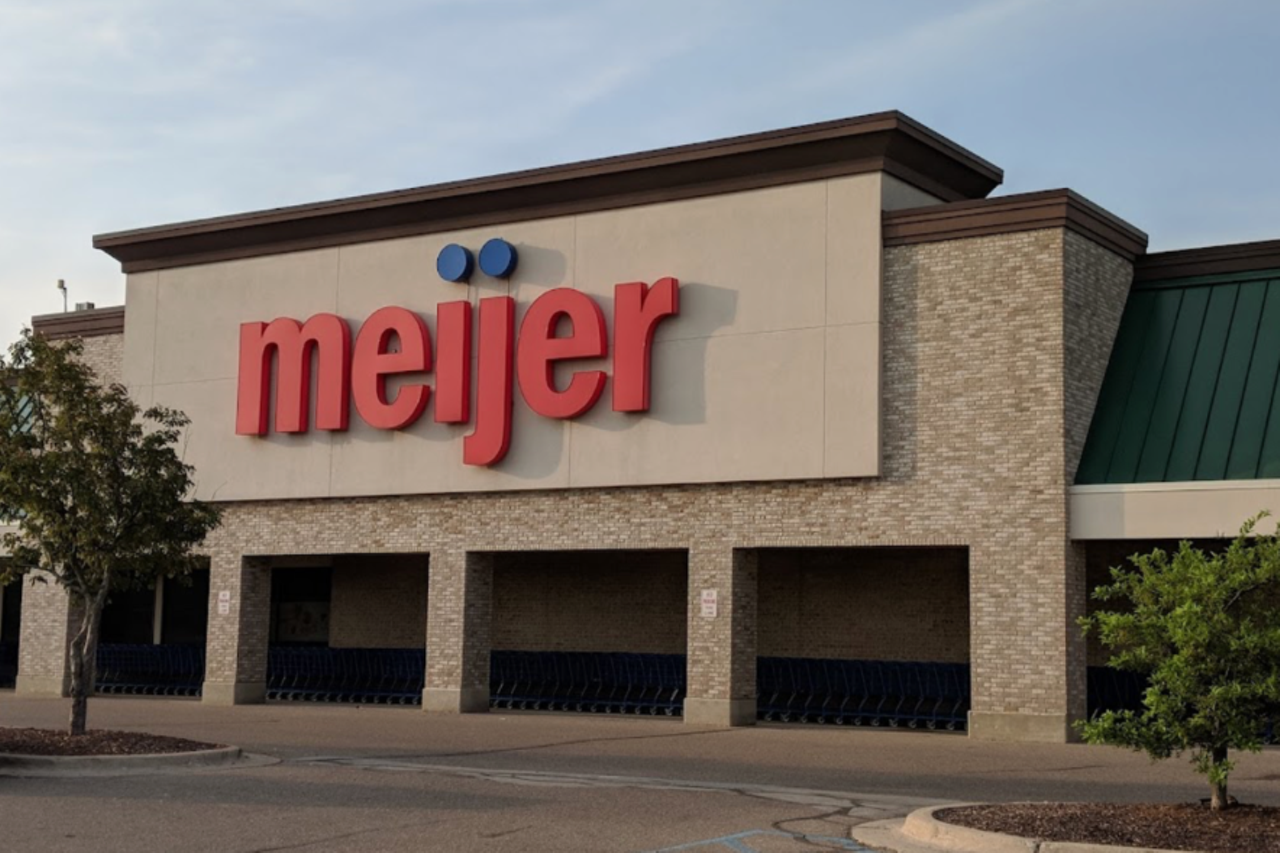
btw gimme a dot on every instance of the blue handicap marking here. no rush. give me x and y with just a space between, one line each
738 842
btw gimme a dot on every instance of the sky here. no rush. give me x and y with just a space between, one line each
118 114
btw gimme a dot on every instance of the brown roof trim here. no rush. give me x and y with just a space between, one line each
80 324
1013 213
1210 260
889 141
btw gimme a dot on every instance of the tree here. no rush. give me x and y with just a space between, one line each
96 489
1205 629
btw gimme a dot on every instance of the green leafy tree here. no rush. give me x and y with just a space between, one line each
1205 629
96 489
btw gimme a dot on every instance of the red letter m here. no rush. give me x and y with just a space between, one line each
293 343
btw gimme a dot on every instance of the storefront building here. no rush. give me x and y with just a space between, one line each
806 394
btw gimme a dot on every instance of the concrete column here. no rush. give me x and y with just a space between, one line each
1028 655
459 617
722 638
48 622
236 649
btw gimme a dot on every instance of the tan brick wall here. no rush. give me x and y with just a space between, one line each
1095 291
47 620
236 645
980 431
590 602
105 354
722 650
459 620
379 602
865 604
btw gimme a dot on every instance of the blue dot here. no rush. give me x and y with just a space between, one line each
498 258
454 263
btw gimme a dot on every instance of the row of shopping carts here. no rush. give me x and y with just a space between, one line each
807 690
1120 690
864 692
366 676
1115 690
839 692
150 670
597 682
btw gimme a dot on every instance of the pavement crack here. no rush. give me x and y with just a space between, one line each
548 745
505 833
341 835
805 838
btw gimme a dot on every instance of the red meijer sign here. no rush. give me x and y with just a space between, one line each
361 371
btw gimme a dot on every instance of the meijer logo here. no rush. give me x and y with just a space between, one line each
359 369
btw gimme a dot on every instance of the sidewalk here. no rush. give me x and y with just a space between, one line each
889 762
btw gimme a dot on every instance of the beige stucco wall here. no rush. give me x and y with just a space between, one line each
770 371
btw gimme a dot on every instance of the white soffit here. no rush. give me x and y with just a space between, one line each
1190 510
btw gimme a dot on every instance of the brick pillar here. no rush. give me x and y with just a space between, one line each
722 647
1028 656
235 670
459 616
48 621
1077 650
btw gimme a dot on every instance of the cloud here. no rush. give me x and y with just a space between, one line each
119 114
124 113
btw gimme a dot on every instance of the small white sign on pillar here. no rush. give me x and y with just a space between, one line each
224 602
710 603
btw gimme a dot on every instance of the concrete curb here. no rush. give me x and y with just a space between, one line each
922 826
44 765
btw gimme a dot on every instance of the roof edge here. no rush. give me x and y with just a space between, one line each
888 141
1209 260
1060 208
95 323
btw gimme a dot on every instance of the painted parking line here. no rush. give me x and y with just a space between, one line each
738 842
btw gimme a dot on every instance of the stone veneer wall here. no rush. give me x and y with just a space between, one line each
982 427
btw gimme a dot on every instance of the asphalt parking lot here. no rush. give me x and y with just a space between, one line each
335 778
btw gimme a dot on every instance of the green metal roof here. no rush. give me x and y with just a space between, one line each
1190 392
22 414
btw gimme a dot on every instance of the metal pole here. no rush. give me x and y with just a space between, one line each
157 619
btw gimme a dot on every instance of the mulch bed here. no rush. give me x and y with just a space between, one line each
1239 829
93 742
